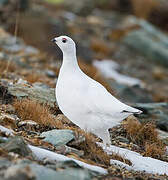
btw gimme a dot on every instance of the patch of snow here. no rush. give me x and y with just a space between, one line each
6 130
41 154
139 163
109 68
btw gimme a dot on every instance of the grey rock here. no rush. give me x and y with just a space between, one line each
4 163
164 136
51 74
125 93
122 139
148 40
58 137
155 111
3 139
41 94
29 50
39 172
13 48
16 145
3 2
83 7
40 85
66 150
151 106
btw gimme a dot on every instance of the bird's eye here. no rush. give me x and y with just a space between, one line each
64 40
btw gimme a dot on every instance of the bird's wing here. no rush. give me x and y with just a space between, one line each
102 101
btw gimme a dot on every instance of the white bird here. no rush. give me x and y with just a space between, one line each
83 100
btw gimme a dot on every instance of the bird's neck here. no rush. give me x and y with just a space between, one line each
70 61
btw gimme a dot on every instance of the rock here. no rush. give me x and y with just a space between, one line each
151 42
27 122
16 145
19 173
157 112
6 131
5 96
83 7
122 139
9 120
41 94
3 139
68 150
38 172
28 125
58 137
50 74
125 93
164 136
4 163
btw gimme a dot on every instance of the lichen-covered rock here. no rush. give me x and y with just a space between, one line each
58 137
41 94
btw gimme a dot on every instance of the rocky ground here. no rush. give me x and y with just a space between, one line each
36 140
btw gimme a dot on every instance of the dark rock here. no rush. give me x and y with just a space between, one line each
125 93
16 145
5 96
157 112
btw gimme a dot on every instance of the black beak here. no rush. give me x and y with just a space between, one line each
53 40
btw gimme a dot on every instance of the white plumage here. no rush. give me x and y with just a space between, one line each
85 101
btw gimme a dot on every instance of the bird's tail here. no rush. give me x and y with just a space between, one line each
132 110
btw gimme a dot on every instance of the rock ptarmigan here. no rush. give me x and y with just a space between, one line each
83 100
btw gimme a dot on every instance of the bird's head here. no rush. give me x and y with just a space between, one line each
65 43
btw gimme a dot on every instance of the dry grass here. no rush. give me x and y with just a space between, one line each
95 153
7 66
100 47
91 150
146 136
155 150
32 110
35 77
143 8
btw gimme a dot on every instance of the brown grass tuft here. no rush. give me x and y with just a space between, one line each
100 47
35 77
7 66
32 110
155 150
146 136
95 153
143 8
